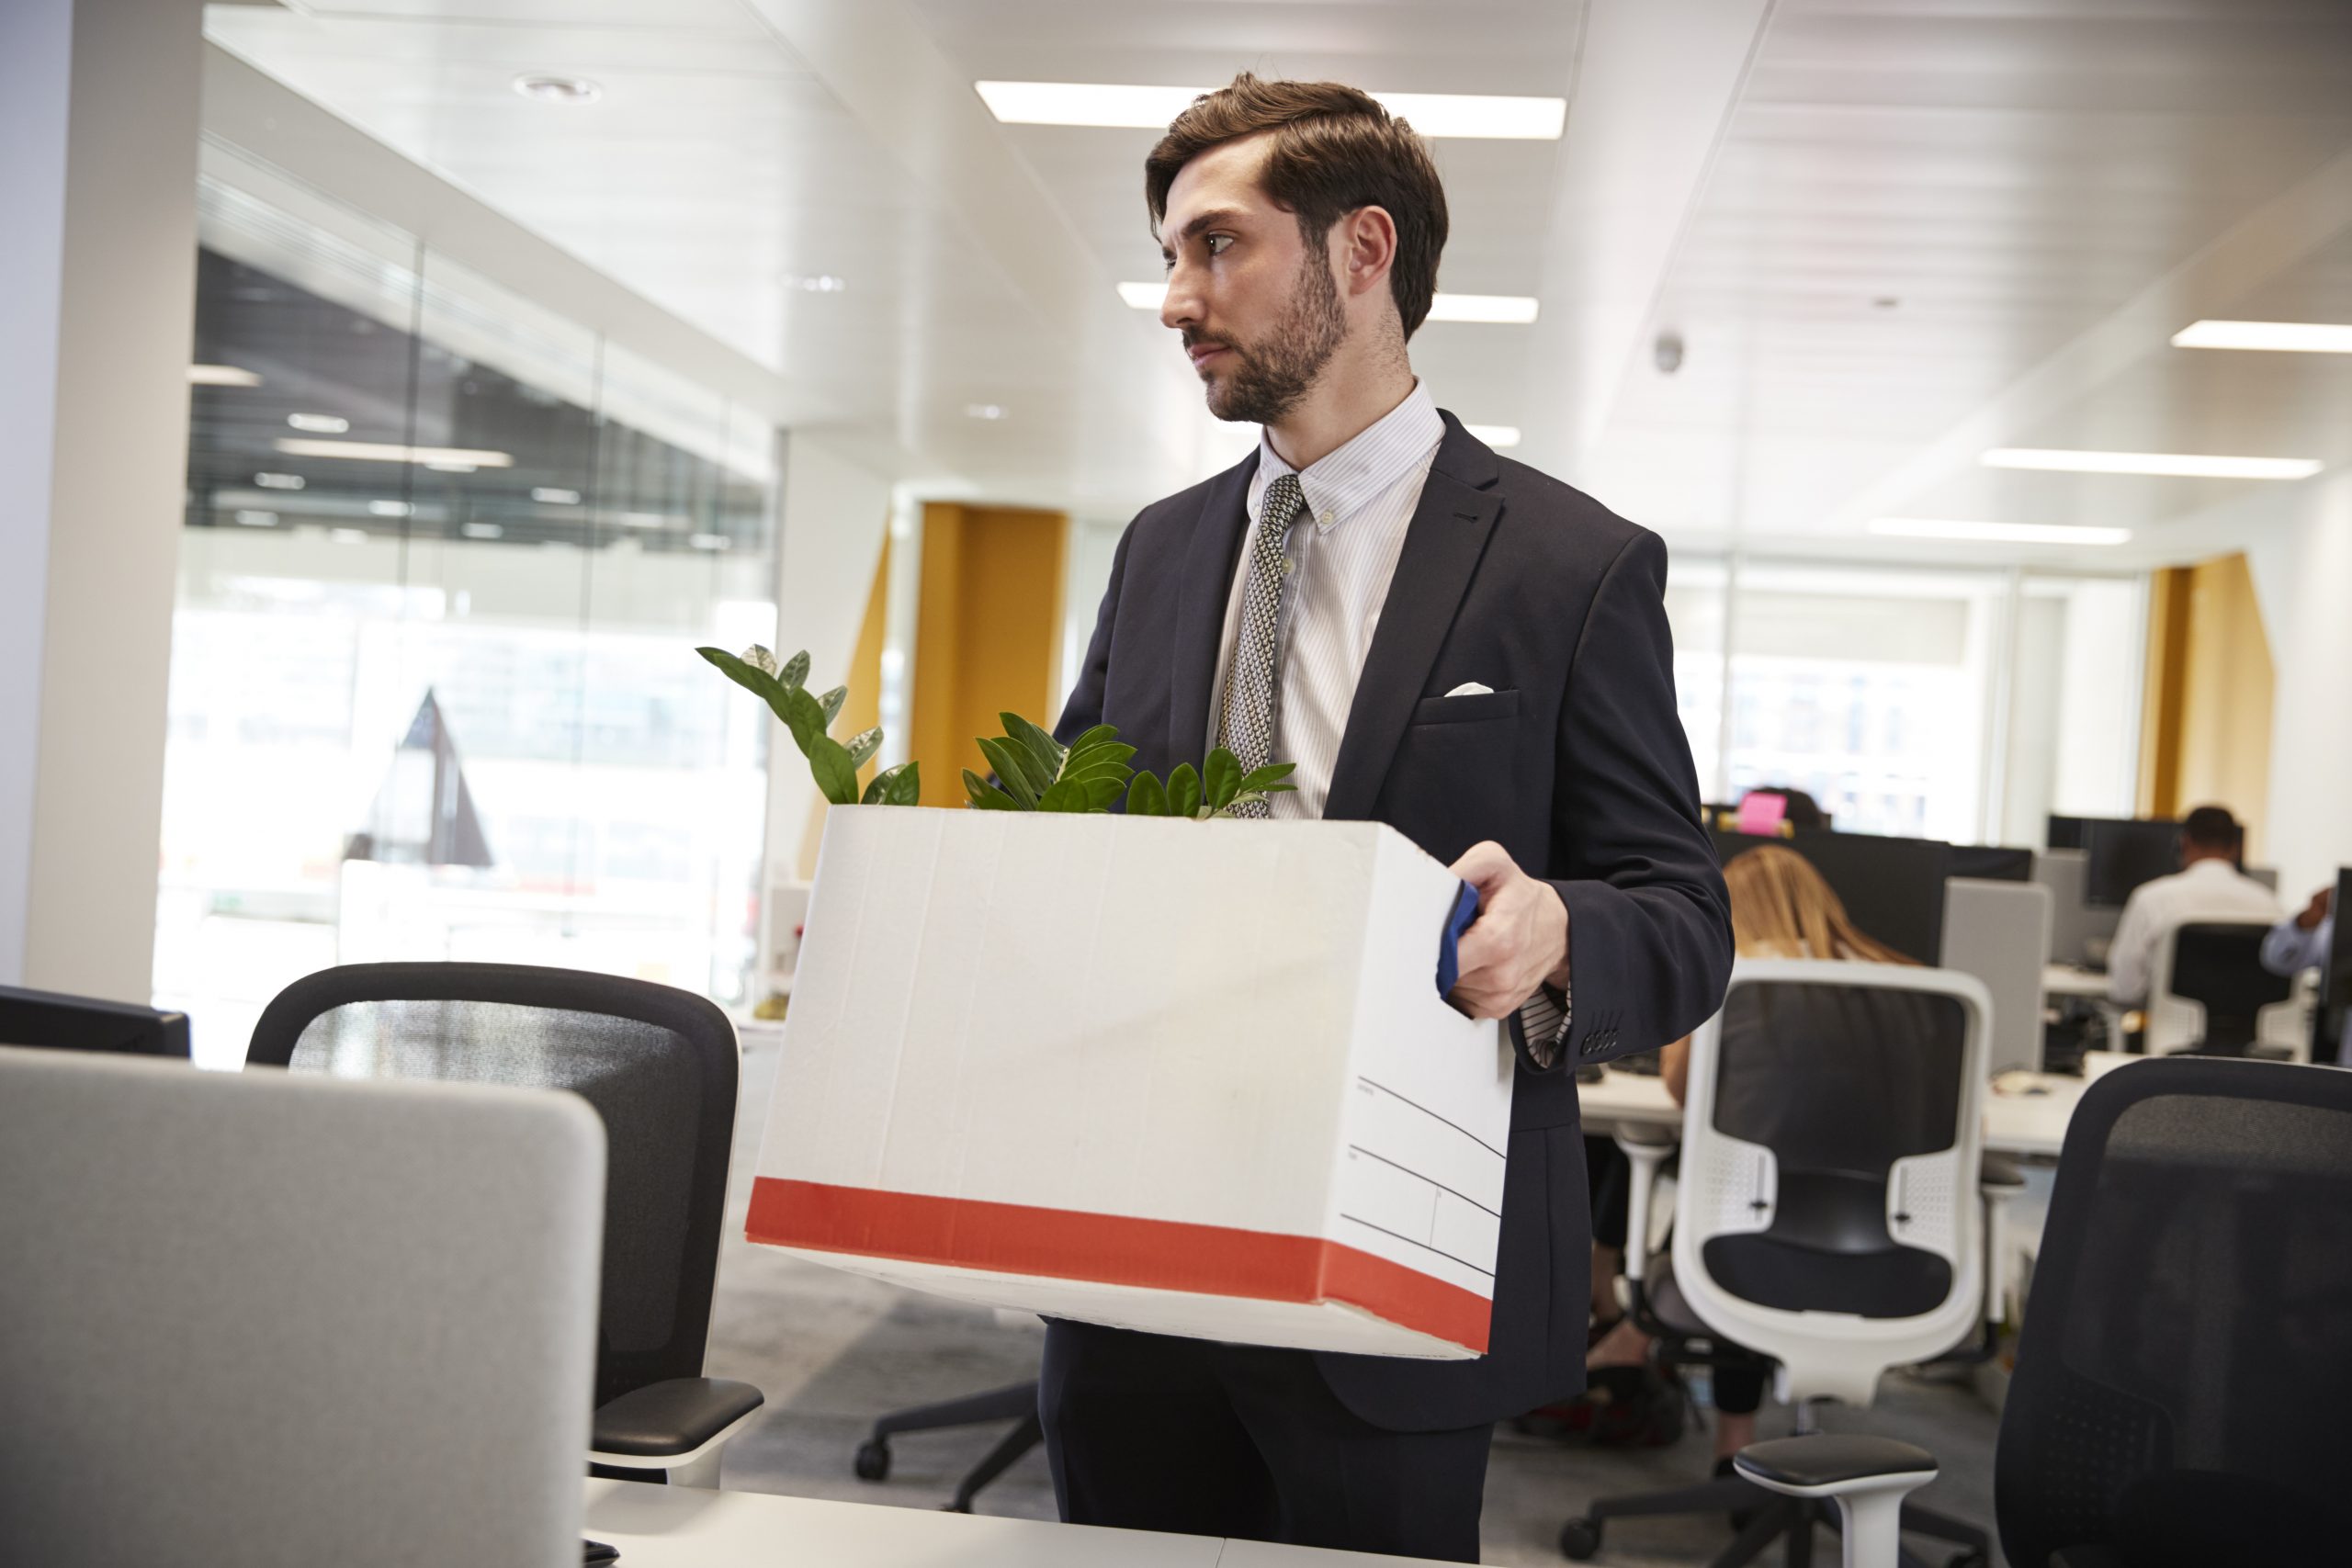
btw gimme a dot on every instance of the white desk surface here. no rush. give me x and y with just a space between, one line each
683 1526
2066 980
2015 1122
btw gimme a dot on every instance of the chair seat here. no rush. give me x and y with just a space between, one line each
1831 1461
663 1420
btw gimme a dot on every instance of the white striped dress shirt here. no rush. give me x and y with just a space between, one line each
1342 551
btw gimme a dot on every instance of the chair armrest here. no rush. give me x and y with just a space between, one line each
1998 1172
1825 1465
1647 1154
666 1420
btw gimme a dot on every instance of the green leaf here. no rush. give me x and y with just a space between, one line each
1040 747
1221 780
894 787
863 745
1100 735
1012 765
751 678
805 719
1108 763
1146 797
831 703
836 775
986 796
1184 792
1064 796
795 672
1259 779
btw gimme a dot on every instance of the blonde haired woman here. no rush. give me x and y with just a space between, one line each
1781 907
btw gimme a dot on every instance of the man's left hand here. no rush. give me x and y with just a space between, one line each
1519 941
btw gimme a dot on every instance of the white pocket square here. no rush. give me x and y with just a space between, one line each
1472 689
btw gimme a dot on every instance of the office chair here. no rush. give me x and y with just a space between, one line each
2187 1357
1826 1216
2208 991
1016 1403
658 1066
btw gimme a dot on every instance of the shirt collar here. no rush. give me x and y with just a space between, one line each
1400 442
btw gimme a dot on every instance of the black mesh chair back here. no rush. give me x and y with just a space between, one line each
1839 1083
2219 966
659 1065
2187 1357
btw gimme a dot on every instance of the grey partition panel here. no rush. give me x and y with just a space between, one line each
2074 926
1999 931
263 1319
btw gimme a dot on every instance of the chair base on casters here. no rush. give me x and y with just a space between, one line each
1017 1403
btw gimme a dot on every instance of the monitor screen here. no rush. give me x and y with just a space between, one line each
2336 979
57 1023
1992 862
2122 855
1892 888
2065 832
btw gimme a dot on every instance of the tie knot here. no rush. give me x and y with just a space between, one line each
1281 501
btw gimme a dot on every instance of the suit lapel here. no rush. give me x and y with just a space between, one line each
1201 598
1442 544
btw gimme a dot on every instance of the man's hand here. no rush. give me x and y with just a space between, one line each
2316 910
1519 941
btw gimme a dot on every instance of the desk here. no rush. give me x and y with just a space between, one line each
2015 1122
2066 980
683 1526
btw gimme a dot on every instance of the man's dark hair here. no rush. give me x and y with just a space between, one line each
1335 149
2212 828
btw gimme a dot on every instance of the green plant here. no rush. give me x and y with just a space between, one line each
833 764
1035 773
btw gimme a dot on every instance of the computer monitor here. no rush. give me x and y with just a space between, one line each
1992 862
81 1023
2125 854
1894 888
2064 833
2336 979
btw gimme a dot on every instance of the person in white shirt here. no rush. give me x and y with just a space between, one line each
2208 886
2303 942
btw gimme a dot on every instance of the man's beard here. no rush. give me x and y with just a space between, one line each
1274 375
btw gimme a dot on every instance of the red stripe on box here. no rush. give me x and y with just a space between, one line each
1110 1249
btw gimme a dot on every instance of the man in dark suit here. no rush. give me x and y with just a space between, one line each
1443 640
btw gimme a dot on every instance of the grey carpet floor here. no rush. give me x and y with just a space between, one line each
833 1351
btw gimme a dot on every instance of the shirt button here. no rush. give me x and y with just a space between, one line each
1329 518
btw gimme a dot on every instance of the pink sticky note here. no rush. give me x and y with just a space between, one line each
1760 815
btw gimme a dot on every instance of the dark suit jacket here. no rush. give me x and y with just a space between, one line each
1577 764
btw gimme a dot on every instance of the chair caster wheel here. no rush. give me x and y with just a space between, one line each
874 1459
1579 1539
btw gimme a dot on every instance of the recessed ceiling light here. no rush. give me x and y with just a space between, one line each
348 536
386 452
2282 337
815 282
646 519
389 508
552 89
984 410
481 530
279 481
708 541
221 376
1478 114
554 495
2165 465
1495 435
254 517
319 423
451 467
1506 308
1999 533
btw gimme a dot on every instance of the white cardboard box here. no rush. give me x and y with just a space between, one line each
1193 1077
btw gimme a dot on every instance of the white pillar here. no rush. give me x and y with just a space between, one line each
98 122
2306 571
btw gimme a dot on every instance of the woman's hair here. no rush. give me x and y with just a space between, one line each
1781 907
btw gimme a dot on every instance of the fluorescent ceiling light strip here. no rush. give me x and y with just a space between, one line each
222 375
1999 533
1514 310
2280 337
1495 436
2163 465
382 452
1482 115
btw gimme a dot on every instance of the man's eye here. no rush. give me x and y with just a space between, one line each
1217 243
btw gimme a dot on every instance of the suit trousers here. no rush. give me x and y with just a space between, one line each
1146 1431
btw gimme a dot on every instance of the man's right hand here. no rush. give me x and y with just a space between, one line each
2316 911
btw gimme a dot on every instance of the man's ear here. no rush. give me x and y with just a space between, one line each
1367 249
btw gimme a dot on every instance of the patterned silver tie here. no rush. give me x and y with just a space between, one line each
1251 718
